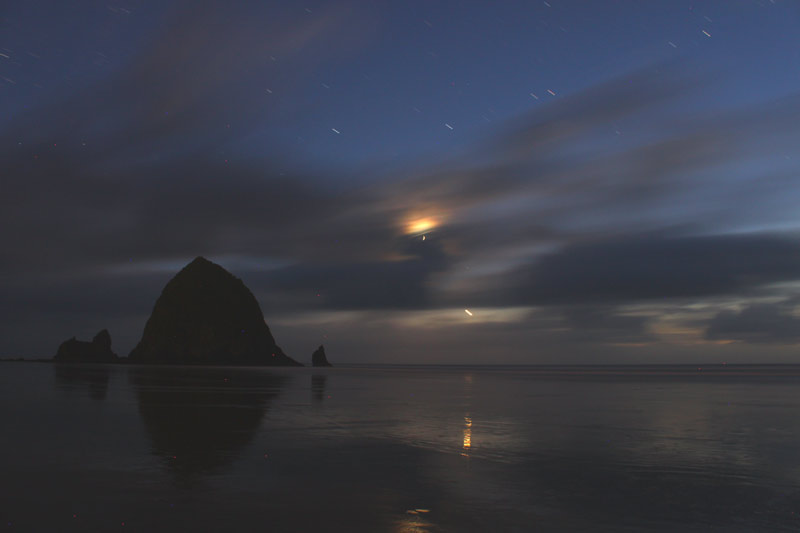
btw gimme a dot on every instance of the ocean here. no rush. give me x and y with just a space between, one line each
399 449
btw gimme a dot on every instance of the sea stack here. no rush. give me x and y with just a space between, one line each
318 357
97 351
206 316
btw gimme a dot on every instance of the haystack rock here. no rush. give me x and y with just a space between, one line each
318 357
205 315
97 351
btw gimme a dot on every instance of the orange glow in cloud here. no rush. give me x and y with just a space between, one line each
421 225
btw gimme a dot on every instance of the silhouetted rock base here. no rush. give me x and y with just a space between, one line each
97 351
318 357
206 316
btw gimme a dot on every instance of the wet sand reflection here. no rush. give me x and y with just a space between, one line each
200 419
318 387
467 436
93 377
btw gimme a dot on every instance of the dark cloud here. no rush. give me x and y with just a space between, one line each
99 296
645 91
545 151
135 164
132 170
196 82
401 283
600 324
756 324
655 268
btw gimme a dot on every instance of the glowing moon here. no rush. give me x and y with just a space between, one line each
420 225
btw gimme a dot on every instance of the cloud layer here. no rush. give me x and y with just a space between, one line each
622 193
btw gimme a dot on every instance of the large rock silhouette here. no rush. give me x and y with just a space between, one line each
97 351
205 315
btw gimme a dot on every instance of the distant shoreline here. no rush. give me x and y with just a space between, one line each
509 366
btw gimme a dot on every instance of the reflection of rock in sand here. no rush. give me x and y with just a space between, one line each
199 419
318 387
93 377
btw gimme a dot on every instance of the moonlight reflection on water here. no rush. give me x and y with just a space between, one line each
395 449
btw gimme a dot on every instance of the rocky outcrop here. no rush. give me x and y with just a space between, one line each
97 351
205 315
318 357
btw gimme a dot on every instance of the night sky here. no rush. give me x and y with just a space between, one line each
595 182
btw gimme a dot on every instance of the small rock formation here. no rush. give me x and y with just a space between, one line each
318 357
97 351
205 315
